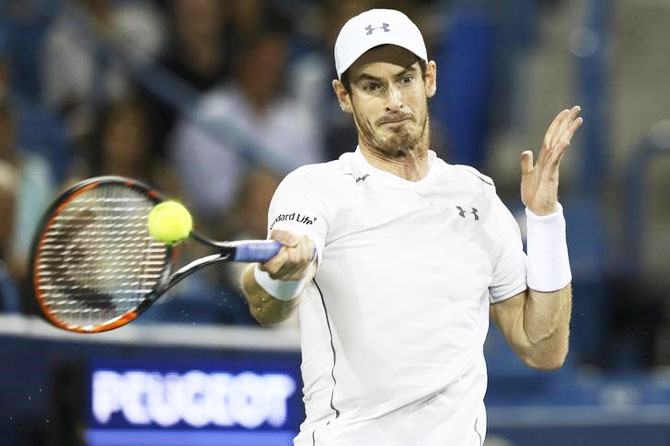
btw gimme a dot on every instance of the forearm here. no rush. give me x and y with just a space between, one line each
546 327
546 311
266 309
537 322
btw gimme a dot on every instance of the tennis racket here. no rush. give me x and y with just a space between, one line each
96 268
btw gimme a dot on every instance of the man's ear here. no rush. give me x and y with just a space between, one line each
431 79
343 96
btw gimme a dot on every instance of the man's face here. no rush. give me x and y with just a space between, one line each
6 137
389 100
261 70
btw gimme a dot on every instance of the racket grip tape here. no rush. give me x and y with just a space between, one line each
256 251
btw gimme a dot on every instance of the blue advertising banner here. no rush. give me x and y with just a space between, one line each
245 400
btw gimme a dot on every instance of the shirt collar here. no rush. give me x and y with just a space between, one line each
388 178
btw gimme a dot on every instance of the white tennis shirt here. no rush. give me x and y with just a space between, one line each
393 325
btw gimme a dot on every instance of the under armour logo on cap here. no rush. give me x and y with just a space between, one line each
369 28
461 212
376 26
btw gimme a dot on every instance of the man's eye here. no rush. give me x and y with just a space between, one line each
406 79
371 86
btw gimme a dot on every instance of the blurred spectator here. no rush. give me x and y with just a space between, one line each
196 54
248 219
121 145
256 107
77 75
9 295
247 17
4 78
35 128
315 70
8 180
33 188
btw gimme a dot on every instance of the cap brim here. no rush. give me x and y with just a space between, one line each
383 40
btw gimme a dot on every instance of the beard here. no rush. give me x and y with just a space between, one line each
399 143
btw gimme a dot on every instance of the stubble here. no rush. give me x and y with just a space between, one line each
405 142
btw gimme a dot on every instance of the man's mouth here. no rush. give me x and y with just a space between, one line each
394 120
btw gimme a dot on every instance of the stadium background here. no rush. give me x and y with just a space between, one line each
213 101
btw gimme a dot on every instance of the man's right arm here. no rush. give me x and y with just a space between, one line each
266 309
282 279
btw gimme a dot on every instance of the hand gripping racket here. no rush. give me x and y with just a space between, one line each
94 265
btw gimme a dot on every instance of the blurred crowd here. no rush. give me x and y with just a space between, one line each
212 102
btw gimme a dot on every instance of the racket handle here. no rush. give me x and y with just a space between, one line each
256 251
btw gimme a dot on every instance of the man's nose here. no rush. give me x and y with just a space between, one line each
393 99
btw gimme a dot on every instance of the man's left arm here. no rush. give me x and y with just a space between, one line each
537 326
536 322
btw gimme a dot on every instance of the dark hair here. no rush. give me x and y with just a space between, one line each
346 82
6 111
272 25
110 112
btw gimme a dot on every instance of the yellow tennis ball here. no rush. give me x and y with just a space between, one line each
170 222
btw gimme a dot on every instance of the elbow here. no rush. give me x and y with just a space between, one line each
270 315
545 365
264 319
546 361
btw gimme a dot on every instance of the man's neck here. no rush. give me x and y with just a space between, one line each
414 166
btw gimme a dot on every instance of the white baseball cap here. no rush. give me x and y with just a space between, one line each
373 28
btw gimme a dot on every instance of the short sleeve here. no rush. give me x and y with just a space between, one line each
509 273
298 207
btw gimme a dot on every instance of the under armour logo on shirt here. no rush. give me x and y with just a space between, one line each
369 28
462 212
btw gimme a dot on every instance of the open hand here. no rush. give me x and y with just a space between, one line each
539 182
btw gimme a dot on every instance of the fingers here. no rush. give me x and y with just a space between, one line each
526 162
292 260
284 237
550 135
567 127
558 127
559 135
572 127
564 119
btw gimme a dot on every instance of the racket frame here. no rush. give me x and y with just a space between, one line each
43 229
225 251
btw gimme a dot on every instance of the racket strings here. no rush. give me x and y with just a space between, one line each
97 260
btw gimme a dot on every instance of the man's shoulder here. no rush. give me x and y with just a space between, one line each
472 174
324 185
332 178
471 178
327 173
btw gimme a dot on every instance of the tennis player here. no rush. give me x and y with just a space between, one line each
412 257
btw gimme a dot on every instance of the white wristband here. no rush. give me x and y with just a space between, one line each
279 289
548 261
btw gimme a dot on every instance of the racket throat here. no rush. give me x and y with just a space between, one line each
183 272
